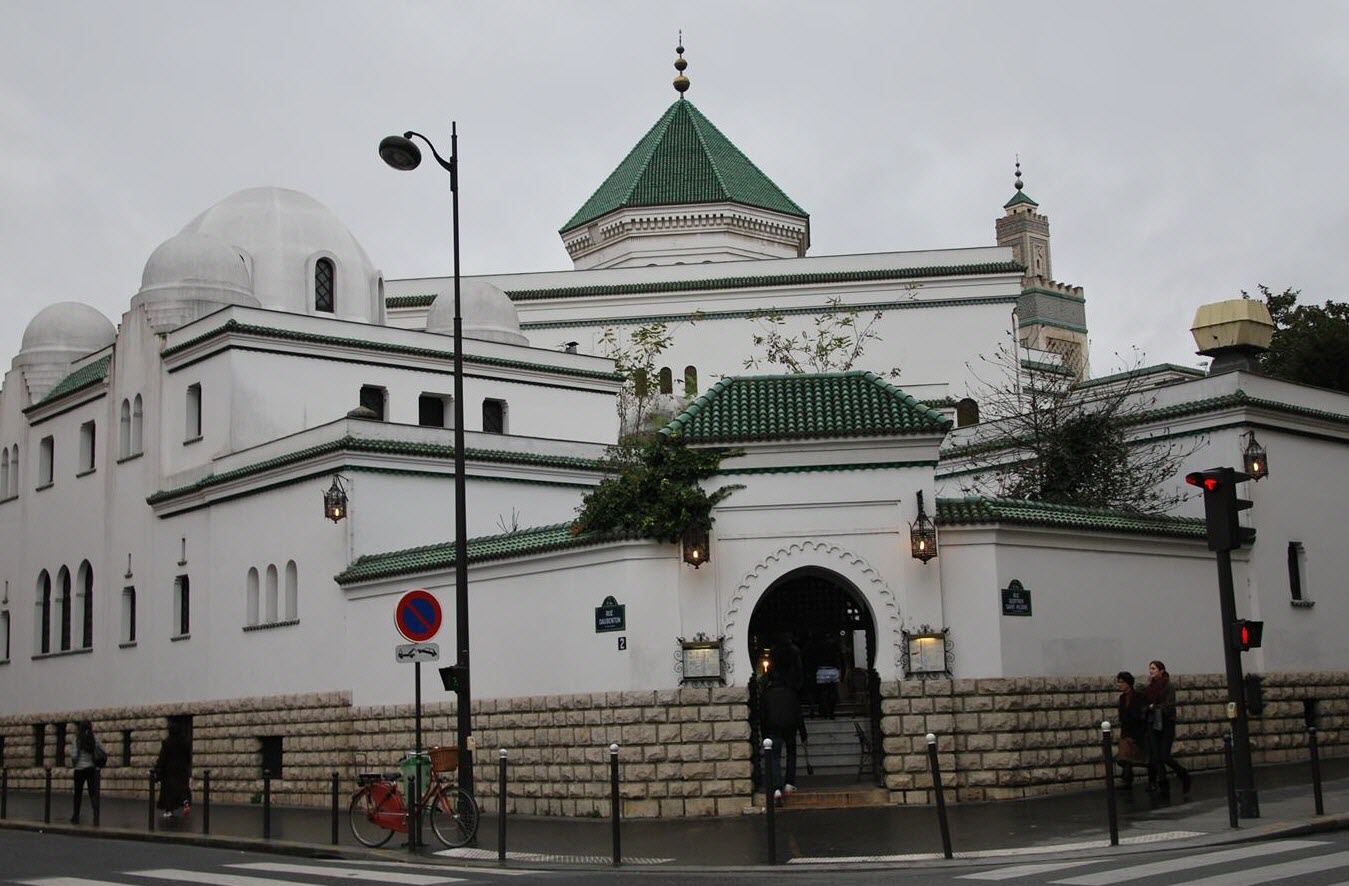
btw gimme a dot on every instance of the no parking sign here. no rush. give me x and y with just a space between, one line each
417 616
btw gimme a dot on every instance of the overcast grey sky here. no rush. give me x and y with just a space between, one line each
1183 151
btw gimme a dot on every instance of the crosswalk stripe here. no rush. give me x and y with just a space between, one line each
278 867
444 868
1138 872
65 881
1270 873
215 878
1026 870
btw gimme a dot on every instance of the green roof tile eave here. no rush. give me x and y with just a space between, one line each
976 510
84 377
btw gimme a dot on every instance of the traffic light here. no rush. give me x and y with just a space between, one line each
452 677
1221 506
1255 694
1246 635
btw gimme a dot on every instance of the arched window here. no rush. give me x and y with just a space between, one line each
63 582
269 612
292 591
325 277
4 473
967 413
251 598
86 577
124 431
14 471
640 382
690 381
666 381
137 421
44 613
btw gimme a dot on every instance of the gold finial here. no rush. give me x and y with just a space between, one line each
681 83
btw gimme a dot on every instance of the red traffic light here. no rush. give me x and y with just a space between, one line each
1200 478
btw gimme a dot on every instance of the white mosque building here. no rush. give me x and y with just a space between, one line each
164 553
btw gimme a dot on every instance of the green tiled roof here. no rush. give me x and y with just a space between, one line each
85 376
684 159
974 510
1142 372
384 447
410 301
767 280
782 407
539 540
1019 198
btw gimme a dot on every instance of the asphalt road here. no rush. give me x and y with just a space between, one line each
39 859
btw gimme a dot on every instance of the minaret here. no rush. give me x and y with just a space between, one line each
1051 316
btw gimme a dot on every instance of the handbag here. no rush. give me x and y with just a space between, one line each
1156 717
100 756
1130 751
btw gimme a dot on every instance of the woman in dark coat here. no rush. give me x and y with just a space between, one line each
174 770
1161 698
85 758
1133 725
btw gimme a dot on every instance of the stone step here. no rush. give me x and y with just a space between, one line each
831 798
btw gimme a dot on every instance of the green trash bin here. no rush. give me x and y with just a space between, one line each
407 768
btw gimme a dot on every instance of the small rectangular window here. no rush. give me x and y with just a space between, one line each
60 744
46 461
86 447
126 747
39 743
182 597
193 428
1296 557
128 615
373 397
433 410
4 636
494 416
270 753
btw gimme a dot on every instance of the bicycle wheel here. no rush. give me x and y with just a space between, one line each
364 827
454 817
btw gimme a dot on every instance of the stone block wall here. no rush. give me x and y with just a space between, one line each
1000 739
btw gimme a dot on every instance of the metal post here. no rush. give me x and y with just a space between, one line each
769 807
206 801
615 804
411 812
940 794
416 823
150 806
97 798
47 796
335 808
1107 746
266 804
501 809
1229 772
1248 802
4 793
1316 770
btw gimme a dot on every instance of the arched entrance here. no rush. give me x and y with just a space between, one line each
830 623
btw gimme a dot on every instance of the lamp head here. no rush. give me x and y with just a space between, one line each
400 152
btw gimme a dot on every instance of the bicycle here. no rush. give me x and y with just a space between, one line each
378 810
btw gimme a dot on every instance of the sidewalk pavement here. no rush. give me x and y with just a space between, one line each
1065 823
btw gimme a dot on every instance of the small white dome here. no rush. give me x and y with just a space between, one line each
69 326
488 313
196 260
285 232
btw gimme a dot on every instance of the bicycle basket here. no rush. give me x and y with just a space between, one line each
444 759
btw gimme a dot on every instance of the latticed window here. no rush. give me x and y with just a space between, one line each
324 275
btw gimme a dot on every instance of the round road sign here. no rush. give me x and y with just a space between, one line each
417 616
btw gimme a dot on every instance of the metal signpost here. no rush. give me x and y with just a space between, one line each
417 617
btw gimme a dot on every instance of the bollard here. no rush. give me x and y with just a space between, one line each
615 804
47 796
941 796
1316 770
206 801
1230 771
150 806
4 793
769 802
336 807
501 809
1107 746
266 804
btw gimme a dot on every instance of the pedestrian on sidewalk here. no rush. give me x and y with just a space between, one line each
780 718
87 756
1133 729
1160 694
173 768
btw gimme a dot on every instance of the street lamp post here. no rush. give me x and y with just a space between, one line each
400 152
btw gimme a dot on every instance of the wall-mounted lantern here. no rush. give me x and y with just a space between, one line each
335 500
923 535
1254 458
697 549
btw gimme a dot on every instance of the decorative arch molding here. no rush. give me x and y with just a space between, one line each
879 597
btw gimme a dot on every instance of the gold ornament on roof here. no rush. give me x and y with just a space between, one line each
681 83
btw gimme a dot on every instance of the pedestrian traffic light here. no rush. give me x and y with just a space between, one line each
452 677
1221 507
1255 694
1246 635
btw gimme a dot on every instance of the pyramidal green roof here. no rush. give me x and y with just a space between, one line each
684 159
1018 198
798 406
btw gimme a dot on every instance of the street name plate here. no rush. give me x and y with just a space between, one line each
412 652
1015 599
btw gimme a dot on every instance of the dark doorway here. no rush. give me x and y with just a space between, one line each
826 618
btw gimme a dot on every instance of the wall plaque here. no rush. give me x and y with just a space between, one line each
610 616
1015 599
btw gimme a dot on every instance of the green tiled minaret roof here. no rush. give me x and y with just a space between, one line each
799 406
684 159
1018 198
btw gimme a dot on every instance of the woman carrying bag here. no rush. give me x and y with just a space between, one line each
1133 729
87 757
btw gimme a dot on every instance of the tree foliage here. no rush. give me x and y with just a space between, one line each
641 404
1311 342
653 490
835 340
1048 437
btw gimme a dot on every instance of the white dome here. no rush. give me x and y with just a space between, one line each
196 260
70 327
285 232
488 313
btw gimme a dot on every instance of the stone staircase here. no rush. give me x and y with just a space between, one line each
839 776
